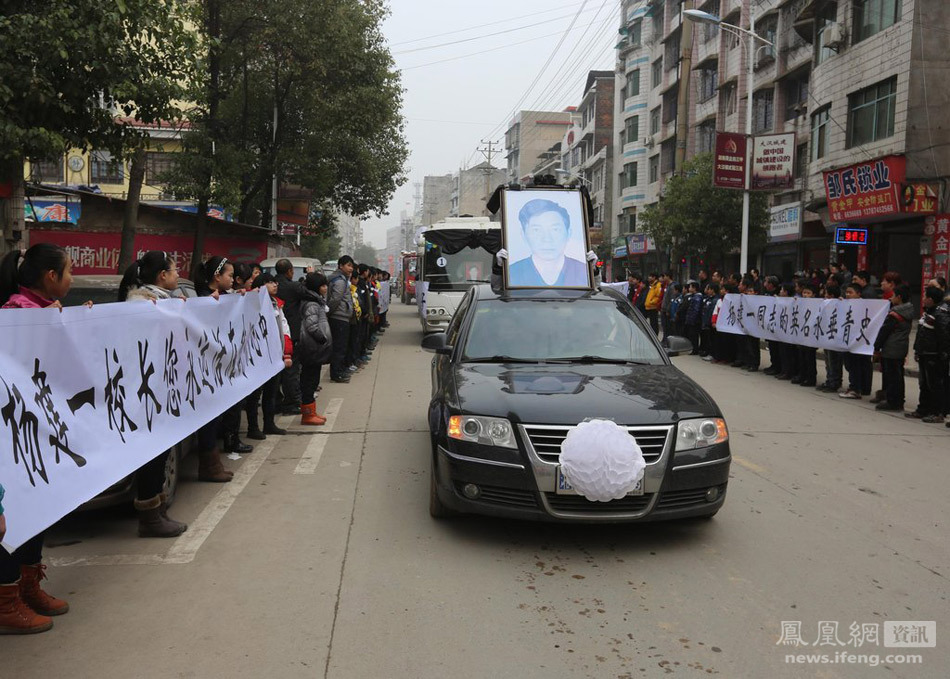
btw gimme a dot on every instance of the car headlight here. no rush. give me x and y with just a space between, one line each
489 431
700 432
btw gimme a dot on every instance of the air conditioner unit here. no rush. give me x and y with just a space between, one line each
765 55
648 141
833 35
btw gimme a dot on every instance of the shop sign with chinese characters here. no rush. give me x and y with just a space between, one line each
785 223
920 199
867 191
773 162
937 238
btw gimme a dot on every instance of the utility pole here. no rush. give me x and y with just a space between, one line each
682 103
488 152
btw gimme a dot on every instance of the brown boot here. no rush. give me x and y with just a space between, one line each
309 415
18 618
34 596
210 467
153 523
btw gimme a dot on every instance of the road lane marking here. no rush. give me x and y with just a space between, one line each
748 465
311 456
186 546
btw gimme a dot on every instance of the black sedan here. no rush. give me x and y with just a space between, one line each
514 372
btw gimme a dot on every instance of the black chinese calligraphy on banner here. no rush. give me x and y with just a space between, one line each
87 396
848 325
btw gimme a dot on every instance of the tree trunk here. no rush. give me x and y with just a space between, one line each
12 217
213 30
131 217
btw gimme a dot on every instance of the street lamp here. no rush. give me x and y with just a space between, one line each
707 18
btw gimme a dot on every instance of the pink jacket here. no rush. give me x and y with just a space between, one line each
26 299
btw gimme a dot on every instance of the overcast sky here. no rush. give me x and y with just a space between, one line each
449 107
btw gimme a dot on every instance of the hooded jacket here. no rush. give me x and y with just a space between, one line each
316 343
654 296
339 299
893 340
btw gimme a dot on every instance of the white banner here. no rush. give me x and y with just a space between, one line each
87 396
849 325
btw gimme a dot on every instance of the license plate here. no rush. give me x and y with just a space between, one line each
562 487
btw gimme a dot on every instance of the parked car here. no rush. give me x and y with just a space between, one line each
104 289
302 265
514 372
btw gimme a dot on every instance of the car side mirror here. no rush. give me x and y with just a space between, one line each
675 345
436 343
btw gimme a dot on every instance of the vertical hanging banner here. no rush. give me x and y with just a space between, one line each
730 161
773 162
87 396
849 325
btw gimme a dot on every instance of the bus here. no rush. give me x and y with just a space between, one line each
445 272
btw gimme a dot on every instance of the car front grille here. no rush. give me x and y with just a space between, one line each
547 440
581 505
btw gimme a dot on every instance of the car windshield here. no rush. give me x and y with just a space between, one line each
459 271
580 330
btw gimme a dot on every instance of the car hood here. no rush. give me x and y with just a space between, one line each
557 394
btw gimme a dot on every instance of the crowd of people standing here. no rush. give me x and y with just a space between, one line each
336 320
691 308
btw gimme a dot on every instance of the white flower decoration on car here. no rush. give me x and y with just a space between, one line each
601 460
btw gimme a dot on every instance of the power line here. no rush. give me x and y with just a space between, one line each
490 23
481 37
472 54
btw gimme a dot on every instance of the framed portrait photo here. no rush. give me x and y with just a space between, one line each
545 232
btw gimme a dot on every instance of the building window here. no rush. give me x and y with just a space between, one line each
708 82
669 105
673 52
820 122
657 73
801 160
635 33
728 99
710 31
633 83
628 221
655 121
629 175
706 137
871 113
796 96
826 15
873 16
633 129
49 171
103 169
157 167
668 156
763 111
655 169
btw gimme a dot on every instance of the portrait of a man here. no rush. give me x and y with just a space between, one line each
543 238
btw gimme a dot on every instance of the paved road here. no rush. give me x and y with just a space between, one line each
320 559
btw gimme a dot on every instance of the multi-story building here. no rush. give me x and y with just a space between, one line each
436 198
351 233
472 189
530 134
857 81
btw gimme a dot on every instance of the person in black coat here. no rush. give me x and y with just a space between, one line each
291 293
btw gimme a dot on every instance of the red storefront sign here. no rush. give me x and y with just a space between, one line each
919 199
937 263
730 161
98 253
867 191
